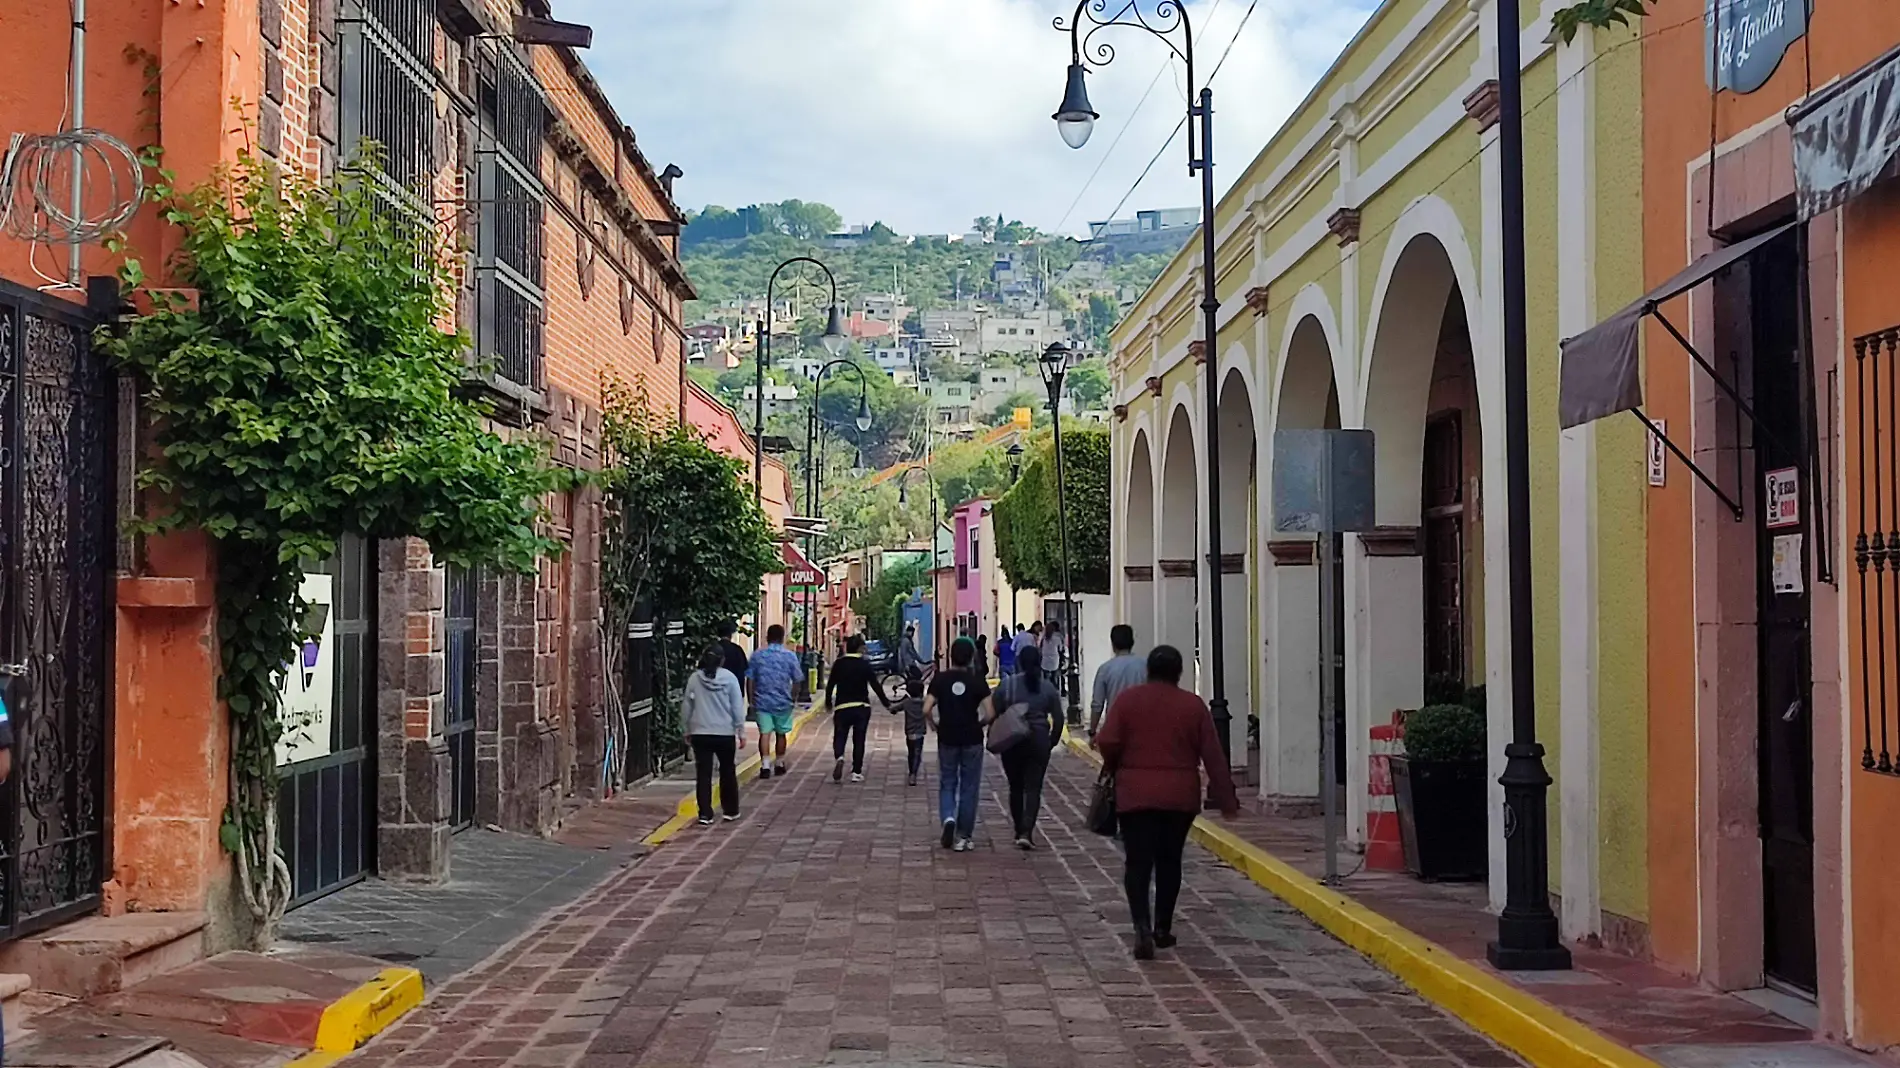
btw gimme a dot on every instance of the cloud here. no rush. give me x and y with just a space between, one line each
927 113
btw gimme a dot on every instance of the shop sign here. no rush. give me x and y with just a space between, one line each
1784 498
1744 40
307 695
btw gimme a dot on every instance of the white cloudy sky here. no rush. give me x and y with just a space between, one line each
928 113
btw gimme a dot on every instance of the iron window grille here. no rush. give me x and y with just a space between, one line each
511 300
387 97
1877 545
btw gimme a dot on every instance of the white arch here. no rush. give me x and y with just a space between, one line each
1311 303
1430 216
1140 544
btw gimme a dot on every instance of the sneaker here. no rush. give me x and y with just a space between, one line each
1023 843
1164 940
705 821
765 773
856 777
837 770
964 845
730 818
912 780
949 833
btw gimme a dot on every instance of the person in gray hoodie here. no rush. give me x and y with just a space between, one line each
712 711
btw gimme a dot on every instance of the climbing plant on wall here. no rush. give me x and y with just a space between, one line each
309 391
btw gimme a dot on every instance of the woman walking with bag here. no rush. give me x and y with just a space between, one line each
1029 696
1155 740
713 712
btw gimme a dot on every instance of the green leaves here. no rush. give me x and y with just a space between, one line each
311 393
1028 534
1602 14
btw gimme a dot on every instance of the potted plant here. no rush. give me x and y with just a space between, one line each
1439 784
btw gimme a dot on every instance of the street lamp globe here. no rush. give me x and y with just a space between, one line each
1015 453
1053 364
1075 119
835 339
864 413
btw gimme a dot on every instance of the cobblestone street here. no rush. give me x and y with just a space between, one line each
828 927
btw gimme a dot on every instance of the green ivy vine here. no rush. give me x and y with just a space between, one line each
310 391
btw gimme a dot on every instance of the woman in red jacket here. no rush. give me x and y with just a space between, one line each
1156 739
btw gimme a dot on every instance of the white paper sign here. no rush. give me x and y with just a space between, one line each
1784 498
308 696
1658 456
1787 568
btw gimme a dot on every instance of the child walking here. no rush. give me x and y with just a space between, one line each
915 728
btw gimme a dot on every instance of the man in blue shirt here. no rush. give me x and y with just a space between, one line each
774 671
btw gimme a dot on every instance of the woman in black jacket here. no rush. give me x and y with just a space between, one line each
1026 763
848 695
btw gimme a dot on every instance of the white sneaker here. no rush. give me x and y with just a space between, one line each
964 845
855 777
729 819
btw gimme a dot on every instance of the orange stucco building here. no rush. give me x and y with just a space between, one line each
1774 689
451 699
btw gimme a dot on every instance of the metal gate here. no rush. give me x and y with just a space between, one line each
56 541
326 801
459 623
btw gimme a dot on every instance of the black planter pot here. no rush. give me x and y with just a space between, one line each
1442 817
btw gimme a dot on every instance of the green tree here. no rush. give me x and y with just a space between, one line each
968 470
1100 318
1022 398
1601 14
1088 383
880 606
1028 534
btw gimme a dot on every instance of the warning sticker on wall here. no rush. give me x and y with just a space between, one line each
1658 458
1787 565
1784 498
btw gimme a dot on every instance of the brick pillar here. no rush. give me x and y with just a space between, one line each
589 690
522 767
413 778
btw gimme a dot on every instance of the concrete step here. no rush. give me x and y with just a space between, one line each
106 954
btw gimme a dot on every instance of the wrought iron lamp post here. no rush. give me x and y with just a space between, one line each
1015 452
814 476
936 525
834 339
1054 366
1528 938
1075 120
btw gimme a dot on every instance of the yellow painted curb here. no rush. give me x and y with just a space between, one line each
362 1014
688 806
1528 1026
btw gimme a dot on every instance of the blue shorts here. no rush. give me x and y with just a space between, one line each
775 722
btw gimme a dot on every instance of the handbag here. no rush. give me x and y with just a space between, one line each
1008 730
1101 814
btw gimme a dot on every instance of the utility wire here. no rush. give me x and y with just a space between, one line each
1179 126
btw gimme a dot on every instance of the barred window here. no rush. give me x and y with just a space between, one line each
513 122
387 97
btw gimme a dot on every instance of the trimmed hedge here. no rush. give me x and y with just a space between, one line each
1028 537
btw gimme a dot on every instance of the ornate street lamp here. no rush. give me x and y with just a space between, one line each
814 475
903 497
834 339
1054 366
1075 120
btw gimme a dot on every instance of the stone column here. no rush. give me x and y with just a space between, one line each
413 778
1289 722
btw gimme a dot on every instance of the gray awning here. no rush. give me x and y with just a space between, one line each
1845 136
1601 374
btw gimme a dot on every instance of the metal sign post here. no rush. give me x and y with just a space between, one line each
1323 485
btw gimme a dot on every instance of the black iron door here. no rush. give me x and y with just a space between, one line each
1444 516
460 625
1785 746
326 806
57 523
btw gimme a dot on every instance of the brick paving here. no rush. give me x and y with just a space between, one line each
827 927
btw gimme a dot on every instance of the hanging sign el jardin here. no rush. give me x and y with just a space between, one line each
1744 40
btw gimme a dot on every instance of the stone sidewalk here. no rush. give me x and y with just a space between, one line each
827 927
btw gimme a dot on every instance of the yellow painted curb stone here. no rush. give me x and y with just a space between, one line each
363 1013
688 806
1528 1026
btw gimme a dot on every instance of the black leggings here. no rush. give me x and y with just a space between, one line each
852 723
724 749
1025 765
916 748
1152 841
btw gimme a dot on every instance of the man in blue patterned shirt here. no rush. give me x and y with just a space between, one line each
774 671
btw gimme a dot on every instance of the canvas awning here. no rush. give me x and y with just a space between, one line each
1601 374
1845 136
799 570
